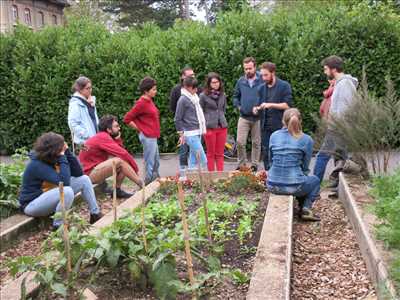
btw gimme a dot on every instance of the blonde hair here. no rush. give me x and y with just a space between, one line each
292 121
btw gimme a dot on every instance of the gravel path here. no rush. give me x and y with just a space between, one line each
327 262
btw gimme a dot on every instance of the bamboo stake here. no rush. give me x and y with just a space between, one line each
143 217
204 199
181 198
65 229
114 168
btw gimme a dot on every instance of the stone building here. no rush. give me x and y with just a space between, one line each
35 14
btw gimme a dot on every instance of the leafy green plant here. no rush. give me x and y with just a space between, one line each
10 182
386 191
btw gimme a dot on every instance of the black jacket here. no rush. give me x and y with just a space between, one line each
214 111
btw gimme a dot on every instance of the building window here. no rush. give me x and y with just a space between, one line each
28 19
40 19
54 19
14 13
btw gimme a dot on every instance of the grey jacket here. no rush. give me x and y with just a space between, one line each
343 94
185 115
214 111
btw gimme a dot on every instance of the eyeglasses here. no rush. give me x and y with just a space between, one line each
88 88
215 81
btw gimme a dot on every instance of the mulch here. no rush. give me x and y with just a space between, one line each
327 262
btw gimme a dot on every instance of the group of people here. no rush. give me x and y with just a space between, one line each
263 100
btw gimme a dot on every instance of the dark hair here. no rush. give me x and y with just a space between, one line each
210 77
187 68
80 83
333 62
249 60
147 84
190 82
269 66
48 147
106 122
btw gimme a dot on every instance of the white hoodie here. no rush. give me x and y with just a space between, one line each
343 94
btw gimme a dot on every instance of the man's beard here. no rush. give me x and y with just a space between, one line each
330 77
248 75
114 134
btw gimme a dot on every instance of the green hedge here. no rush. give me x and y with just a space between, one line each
38 68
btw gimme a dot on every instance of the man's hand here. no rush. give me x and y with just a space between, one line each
266 105
181 139
256 109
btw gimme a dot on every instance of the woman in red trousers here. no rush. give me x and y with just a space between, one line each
213 103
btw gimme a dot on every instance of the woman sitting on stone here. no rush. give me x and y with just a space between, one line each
52 162
290 154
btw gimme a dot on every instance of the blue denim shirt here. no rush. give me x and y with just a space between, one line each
289 158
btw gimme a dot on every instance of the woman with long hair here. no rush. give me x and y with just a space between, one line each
213 103
290 153
51 163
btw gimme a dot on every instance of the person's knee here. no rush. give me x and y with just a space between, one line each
68 196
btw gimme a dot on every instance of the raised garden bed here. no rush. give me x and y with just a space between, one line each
115 263
380 260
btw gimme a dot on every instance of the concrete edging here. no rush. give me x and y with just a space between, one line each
22 225
12 291
375 265
270 279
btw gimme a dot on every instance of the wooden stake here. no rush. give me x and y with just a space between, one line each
204 199
114 168
181 198
65 229
143 217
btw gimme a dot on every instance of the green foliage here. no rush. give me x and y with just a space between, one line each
120 245
10 182
386 190
38 68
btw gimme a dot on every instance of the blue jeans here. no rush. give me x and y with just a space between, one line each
308 190
265 136
151 157
196 148
49 202
332 146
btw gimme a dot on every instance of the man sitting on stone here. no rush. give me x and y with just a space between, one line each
104 148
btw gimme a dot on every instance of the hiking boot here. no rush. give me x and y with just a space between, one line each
123 194
95 217
253 168
308 215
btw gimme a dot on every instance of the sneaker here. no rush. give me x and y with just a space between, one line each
334 193
123 194
308 215
105 188
253 168
95 217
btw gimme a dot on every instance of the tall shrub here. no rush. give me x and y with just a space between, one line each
38 68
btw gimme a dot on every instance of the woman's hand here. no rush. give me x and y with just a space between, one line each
65 147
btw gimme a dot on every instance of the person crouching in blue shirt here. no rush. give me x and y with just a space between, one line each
52 162
290 152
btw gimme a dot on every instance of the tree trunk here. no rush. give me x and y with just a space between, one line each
186 9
